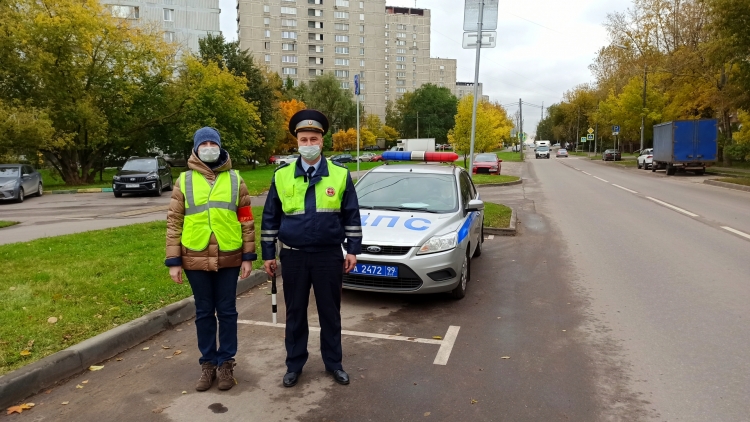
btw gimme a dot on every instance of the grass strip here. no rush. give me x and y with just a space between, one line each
736 180
7 223
91 282
497 215
483 179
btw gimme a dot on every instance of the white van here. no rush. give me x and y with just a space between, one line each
542 144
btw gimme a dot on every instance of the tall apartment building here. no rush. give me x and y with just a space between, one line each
467 88
443 73
183 21
389 47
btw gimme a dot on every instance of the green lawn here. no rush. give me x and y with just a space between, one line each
90 281
736 180
627 163
496 215
7 223
508 156
483 179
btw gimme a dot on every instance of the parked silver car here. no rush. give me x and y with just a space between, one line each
19 180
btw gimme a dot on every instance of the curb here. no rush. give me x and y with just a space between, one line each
31 379
517 182
727 185
510 231
70 191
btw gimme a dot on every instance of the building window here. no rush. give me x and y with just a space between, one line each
288 10
386 50
386 90
361 28
342 50
401 90
341 15
315 37
400 51
314 12
342 62
266 9
342 38
400 58
267 45
386 33
315 1
125 12
361 63
401 66
361 16
289 34
316 25
413 59
288 22
361 5
268 58
169 36
289 47
341 26
342 3
267 21
342 73
345 85
401 26
386 66
400 35
386 27
414 36
361 40
386 42
267 33
414 52
400 82
168 15
288 59
289 70
386 74
361 51
400 74
442 67
400 42
386 58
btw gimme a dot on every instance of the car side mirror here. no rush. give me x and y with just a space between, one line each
475 205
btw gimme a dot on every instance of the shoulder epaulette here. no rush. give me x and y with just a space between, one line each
281 167
339 164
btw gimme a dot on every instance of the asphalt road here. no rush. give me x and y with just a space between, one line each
606 306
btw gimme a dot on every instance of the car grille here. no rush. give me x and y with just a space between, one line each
127 179
407 280
388 250
483 170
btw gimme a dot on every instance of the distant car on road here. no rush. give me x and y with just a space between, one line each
377 157
285 159
562 153
542 152
366 157
486 163
646 158
611 155
143 175
342 158
19 180
557 145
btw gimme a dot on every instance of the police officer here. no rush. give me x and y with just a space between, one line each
311 208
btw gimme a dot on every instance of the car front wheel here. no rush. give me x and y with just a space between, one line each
40 190
159 188
20 196
460 291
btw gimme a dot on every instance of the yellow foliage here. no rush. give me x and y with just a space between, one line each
743 135
288 109
345 140
492 127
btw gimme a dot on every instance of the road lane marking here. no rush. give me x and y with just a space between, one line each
589 174
605 181
578 169
678 209
618 186
446 344
737 232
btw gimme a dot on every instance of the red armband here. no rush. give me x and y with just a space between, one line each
245 214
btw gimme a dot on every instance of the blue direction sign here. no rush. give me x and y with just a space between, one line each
616 129
356 84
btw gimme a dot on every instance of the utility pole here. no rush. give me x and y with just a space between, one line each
643 112
417 125
476 89
540 122
520 125
596 136
578 128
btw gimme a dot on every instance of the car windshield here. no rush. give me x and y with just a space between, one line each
408 191
542 149
562 150
143 164
6 172
485 158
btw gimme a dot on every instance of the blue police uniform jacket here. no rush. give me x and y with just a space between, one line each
312 231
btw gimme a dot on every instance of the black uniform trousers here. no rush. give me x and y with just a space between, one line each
323 271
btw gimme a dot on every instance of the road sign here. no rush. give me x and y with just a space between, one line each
583 139
489 39
356 84
590 137
616 129
489 15
591 130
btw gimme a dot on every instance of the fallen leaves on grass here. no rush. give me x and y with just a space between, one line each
25 352
176 352
52 320
145 348
79 386
85 382
437 337
65 403
184 392
427 413
98 368
20 408
505 357
118 359
165 347
474 401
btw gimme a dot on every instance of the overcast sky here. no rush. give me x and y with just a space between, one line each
544 46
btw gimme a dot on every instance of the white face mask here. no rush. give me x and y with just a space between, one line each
310 152
209 154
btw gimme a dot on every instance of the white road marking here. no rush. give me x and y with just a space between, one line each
589 174
445 349
605 181
446 344
618 186
490 237
678 209
735 231
578 169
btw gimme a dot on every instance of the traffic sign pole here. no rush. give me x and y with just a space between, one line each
476 90
356 93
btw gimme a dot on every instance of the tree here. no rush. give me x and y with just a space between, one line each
22 131
492 126
430 106
288 109
345 140
392 116
99 81
325 95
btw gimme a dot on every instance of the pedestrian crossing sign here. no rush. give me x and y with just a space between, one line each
590 137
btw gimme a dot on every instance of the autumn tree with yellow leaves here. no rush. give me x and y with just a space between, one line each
492 128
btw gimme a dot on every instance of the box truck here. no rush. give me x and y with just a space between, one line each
685 144
420 144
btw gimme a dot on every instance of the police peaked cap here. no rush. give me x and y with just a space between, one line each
310 120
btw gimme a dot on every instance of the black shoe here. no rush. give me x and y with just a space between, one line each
340 376
290 379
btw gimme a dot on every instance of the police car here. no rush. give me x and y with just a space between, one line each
421 225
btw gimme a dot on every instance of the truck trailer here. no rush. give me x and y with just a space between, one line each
685 144
418 144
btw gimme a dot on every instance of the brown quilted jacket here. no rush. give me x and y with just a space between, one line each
211 258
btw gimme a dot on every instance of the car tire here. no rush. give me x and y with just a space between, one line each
40 190
671 170
171 184
700 172
478 250
21 196
638 163
159 189
460 291
118 194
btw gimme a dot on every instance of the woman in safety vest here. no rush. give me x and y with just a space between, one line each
211 235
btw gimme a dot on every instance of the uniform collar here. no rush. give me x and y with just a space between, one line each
320 172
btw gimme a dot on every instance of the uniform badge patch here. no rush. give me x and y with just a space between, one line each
330 191
310 122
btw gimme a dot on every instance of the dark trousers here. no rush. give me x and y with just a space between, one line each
215 300
324 272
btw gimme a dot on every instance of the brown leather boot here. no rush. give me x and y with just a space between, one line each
208 375
226 375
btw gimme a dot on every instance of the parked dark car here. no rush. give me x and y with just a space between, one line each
611 155
19 180
342 158
143 175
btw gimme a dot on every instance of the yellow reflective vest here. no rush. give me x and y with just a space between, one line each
328 192
211 209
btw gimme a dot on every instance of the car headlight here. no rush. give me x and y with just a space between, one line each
9 185
439 244
116 178
151 177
